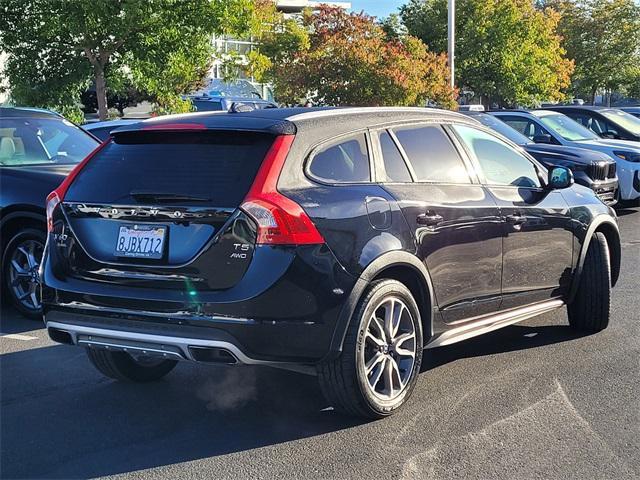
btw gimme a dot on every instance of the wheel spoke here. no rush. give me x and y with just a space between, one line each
375 340
18 268
388 376
395 372
375 360
392 318
377 375
34 299
375 321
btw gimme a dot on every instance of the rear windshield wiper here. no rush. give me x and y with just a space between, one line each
167 197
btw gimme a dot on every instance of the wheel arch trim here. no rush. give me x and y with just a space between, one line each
608 227
386 261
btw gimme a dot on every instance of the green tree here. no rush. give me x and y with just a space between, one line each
57 47
603 39
336 58
507 51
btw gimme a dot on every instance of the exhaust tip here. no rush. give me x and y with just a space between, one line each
213 355
60 336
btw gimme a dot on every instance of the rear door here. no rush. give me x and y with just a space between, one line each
538 238
455 221
160 209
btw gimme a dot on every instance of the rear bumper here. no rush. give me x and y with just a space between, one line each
289 318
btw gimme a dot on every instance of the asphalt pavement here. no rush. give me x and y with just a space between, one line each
534 400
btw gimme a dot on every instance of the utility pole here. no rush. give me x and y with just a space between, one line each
451 39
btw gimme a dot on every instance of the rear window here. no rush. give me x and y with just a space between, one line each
217 167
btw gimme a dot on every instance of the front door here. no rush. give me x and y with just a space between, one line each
538 238
456 222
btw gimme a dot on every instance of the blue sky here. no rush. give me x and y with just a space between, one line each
379 8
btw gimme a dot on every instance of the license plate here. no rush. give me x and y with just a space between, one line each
140 241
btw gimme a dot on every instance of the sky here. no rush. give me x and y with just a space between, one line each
378 8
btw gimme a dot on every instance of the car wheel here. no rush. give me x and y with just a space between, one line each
21 261
590 309
381 357
124 367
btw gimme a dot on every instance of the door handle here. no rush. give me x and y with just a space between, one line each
429 219
516 219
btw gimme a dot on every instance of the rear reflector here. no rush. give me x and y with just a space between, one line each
281 221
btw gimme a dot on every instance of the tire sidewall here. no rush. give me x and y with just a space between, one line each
26 234
386 289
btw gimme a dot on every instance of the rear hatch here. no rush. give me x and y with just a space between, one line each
160 209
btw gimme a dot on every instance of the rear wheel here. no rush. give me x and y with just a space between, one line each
124 367
381 357
21 261
591 306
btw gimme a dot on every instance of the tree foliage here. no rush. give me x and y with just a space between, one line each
507 51
337 58
57 47
603 39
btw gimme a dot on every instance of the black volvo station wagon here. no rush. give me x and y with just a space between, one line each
338 242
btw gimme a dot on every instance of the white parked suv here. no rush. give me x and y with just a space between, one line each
544 126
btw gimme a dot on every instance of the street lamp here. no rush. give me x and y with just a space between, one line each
451 39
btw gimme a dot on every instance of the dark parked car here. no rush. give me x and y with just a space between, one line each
591 169
37 150
221 103
101 130
605 122
340 242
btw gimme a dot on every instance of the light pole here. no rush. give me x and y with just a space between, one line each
451 39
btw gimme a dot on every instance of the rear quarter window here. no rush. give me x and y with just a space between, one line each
346 161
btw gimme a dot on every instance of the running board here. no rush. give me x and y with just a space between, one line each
474 327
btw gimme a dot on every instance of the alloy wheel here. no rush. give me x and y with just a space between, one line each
24 278
389 353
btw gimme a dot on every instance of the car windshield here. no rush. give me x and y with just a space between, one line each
502 128
567 128
623 119
33 141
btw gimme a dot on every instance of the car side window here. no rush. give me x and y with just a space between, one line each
500 163
432 155
344 162
525 126
394 165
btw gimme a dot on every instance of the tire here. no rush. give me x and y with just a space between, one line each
345 382
20 262
123 367
590 309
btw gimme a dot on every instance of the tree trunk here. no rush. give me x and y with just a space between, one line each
594 91
101 91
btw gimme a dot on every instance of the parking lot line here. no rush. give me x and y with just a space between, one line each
17 336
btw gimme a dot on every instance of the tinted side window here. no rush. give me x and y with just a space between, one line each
500 163
525 126
344 162
394 165
432 155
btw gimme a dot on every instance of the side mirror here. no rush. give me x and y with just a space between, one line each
544 138
560 177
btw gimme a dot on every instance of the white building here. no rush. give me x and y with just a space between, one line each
226 46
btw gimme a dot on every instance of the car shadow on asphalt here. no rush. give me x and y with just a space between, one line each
508 339
62 419
12 322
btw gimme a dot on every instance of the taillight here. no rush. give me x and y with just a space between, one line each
55 198
281 221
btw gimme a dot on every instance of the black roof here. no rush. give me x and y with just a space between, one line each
22 112
322 122
578 107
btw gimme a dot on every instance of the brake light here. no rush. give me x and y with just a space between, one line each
57 196
281 221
